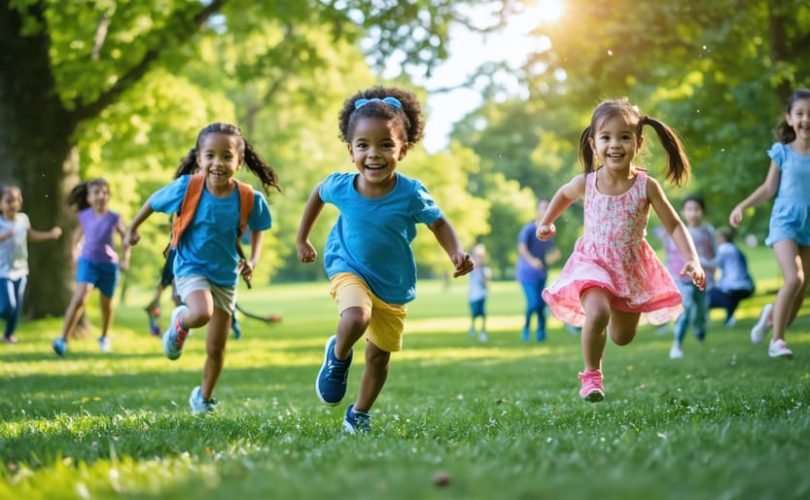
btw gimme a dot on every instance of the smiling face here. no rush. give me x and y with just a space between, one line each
377 146
11 202
98 196
799 118
219 157
615 143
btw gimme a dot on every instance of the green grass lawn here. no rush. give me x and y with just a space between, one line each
500 419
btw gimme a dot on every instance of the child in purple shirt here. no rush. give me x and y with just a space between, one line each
97 265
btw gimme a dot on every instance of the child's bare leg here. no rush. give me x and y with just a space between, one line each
790 263
373 376
798 300
215 348
352 325
75 307
106 314
596 303
200 310
623 326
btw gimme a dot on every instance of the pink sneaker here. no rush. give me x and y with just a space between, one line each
591 389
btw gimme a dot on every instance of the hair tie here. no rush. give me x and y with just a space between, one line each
391 101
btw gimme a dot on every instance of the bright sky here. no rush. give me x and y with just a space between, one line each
469 50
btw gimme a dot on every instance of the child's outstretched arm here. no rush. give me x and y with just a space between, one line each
246 267
121 229
448 239
54 234
132 237
567 194
764 192
307 252
677 231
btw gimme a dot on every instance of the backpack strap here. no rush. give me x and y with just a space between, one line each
189 206
246 201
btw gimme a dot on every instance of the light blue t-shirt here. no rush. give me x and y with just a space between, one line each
372 236
790 217
208 246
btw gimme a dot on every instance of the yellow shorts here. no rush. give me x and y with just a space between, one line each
387 321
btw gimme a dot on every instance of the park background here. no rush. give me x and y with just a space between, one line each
120 89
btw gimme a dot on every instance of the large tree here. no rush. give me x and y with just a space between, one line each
65 63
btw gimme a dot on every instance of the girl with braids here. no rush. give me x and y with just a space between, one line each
97 265
213 210
789 230
368 256
613 275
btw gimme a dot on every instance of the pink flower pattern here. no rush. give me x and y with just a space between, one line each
613 254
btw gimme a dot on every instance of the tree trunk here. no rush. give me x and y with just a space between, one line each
37 154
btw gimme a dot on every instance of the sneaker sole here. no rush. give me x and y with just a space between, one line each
317 380
349 428
788 355
594 397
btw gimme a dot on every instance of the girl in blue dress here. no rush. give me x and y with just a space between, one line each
789 233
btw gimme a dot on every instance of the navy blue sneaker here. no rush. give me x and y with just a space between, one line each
525 335
356 421
331 383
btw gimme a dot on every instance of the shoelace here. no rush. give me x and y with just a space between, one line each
338 370
362 421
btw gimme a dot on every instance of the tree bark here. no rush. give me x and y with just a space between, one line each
35 145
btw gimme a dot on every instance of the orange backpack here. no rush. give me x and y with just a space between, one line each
192 199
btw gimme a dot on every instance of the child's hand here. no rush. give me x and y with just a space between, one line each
246 268
546 231
124 266
463 262
694 271
56 232
132 238
736 216
306 252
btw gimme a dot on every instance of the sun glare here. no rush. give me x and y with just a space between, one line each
546 11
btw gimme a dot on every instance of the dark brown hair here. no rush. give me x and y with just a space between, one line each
78 195
410 116
783 132
253 161
677 169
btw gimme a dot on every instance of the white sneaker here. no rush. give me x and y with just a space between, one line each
472 331
779 349
675 352
483 336
761 328
104 344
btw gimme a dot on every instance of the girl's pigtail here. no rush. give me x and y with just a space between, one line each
784 133
262 170
585 150
188 164
78 196
677 171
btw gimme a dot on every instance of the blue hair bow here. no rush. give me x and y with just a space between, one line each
391 101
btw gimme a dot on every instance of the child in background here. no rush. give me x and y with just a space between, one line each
735 283
789 233
613 275
695 299
531 271
98 264
15 232
368 256
480 277
206 234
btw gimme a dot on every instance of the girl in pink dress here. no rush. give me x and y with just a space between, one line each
613 276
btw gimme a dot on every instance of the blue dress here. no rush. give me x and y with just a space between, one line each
790 218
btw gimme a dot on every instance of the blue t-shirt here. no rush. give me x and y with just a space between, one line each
733 269
208 246
372 236
525 272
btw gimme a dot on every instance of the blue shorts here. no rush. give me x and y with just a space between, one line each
477 307
101 275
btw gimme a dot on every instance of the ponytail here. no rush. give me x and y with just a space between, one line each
188 164
677 170
586 150
262 170
783 132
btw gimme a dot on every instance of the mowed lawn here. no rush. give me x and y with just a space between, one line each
457 419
